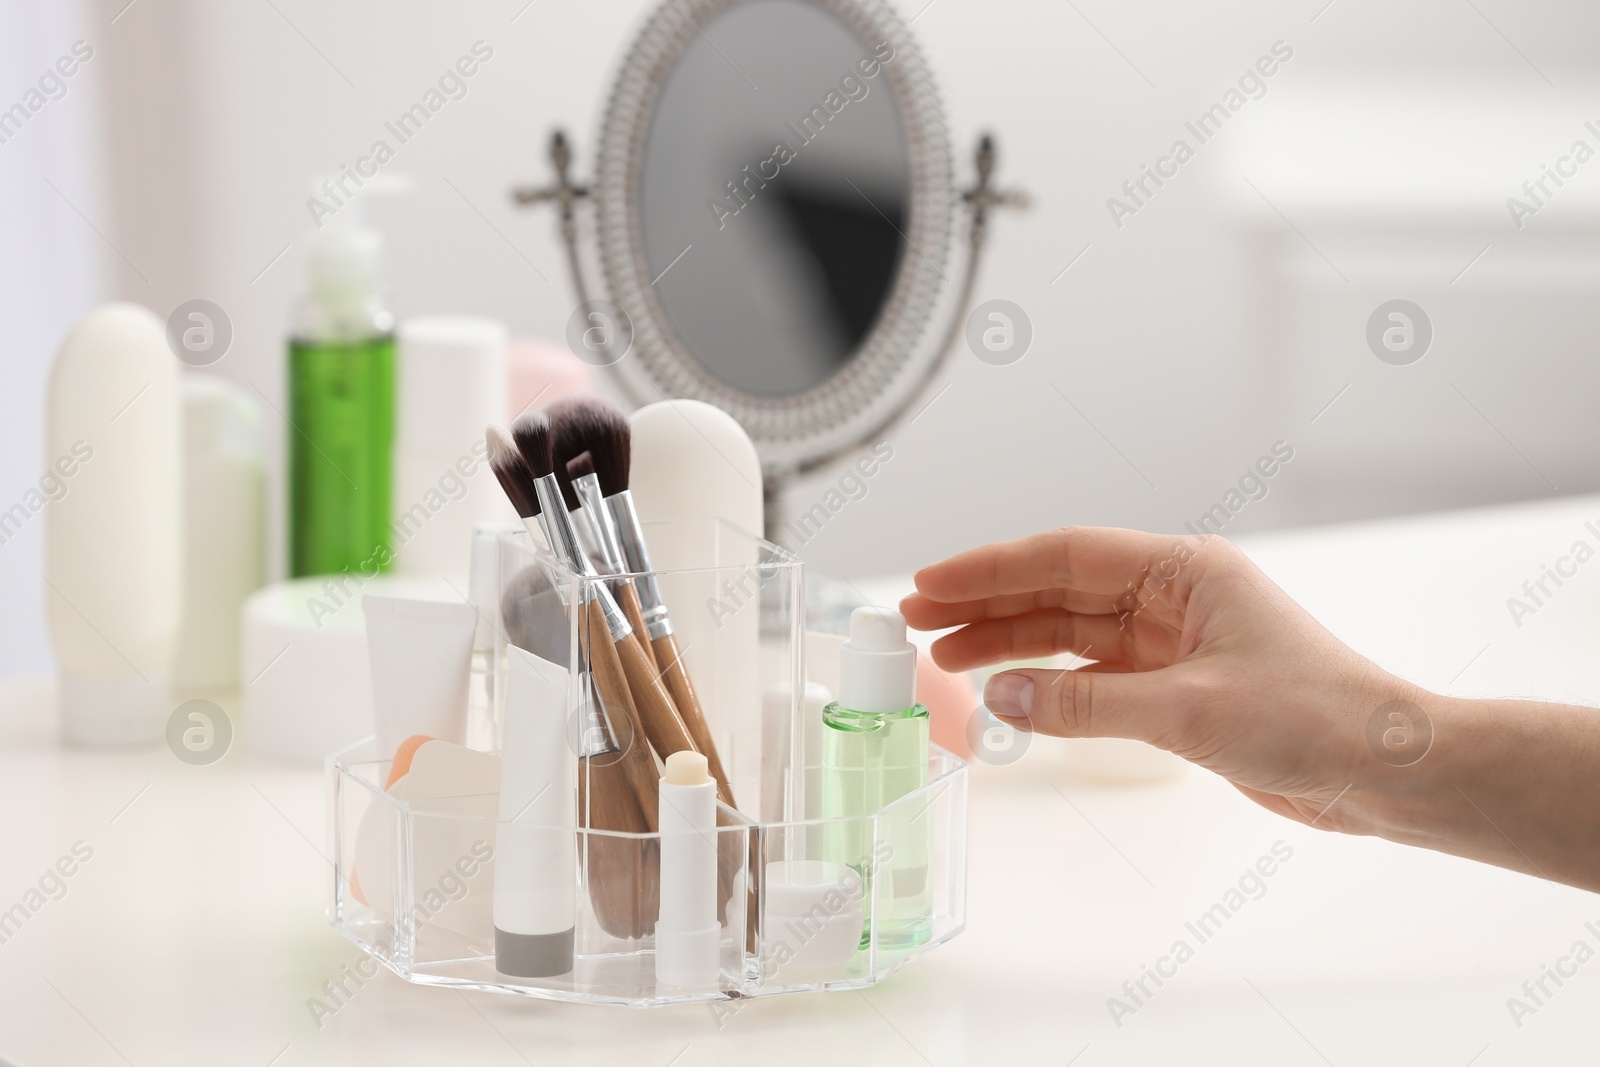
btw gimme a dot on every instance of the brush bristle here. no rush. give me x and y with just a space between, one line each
531 432
595 425
580 466
512 471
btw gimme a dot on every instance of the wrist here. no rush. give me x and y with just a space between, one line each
1414 738
1506 782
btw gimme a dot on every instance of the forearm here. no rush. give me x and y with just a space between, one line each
1509 782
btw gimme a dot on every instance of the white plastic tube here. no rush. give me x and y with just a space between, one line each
688 938
114 534
536 863
421 655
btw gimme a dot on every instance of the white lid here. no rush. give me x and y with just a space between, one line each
814 916
877 665
451 382
688 959
113 709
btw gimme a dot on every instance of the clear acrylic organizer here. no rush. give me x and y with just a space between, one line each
806 902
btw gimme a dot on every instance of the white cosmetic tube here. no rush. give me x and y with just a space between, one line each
688 938
114 552
536 859
421 654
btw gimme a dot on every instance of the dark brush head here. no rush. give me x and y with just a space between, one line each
531 432
594 425
580 466
567 473
512 471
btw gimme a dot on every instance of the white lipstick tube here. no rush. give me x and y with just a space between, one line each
688 937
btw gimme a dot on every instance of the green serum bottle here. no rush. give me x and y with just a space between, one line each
875 752
341 405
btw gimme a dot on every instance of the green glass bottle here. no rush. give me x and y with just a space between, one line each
341 407
875 754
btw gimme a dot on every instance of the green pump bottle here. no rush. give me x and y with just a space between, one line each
341 402
874 753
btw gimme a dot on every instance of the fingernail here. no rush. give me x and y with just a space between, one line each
1010 695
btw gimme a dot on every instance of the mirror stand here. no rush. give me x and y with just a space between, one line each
979 200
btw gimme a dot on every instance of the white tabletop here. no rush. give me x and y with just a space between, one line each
194 933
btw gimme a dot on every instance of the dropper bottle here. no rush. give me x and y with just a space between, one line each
875 752
341 399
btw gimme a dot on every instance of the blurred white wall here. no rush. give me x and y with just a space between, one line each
1174 352
53 269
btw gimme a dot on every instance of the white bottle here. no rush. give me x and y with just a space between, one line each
450 381
224 529
692 462
114 543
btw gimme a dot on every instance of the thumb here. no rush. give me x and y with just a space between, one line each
1080 703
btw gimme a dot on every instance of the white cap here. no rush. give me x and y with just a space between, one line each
113 709
451 372
688 959
877 665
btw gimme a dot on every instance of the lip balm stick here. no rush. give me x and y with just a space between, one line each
688 937
536 860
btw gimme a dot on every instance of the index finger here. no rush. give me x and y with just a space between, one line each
1100 560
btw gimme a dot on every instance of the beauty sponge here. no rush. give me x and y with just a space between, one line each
452 858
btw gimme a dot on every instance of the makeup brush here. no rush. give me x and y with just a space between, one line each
577 477
617 787
622 658
596 426
511 470
534 488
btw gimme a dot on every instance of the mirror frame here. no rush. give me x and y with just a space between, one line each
891 366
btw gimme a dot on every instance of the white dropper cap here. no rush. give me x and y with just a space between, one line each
877 665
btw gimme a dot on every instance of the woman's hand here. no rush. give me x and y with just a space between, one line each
1195 651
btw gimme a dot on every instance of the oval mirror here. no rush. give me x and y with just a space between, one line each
773 196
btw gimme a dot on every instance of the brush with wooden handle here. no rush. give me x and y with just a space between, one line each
586 500
657 715
618 782
598 427
656 712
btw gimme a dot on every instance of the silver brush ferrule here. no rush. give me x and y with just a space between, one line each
605 528
583 521
636 555
564 542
